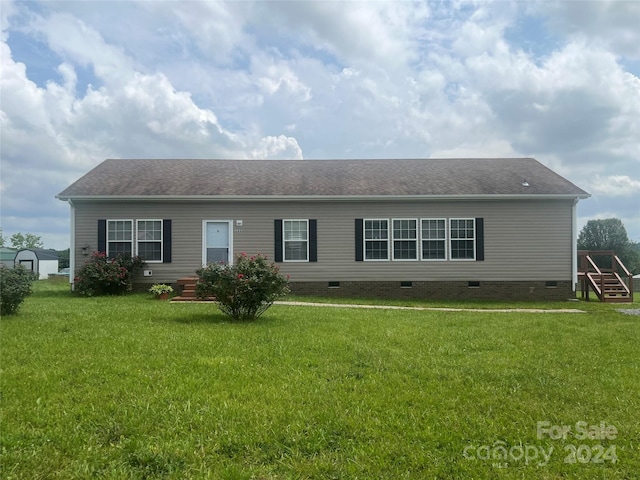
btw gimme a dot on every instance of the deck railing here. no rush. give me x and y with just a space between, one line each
610 282
627 274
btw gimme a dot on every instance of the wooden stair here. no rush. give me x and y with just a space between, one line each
187 291
609 287
606 283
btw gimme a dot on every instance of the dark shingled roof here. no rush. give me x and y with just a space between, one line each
323 178
41 253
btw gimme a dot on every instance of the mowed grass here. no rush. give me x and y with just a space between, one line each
131 387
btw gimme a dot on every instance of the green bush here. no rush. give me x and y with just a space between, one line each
244 290
107 276
15 286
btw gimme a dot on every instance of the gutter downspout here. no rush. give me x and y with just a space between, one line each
72 243
574 245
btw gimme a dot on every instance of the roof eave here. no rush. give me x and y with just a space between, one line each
237 198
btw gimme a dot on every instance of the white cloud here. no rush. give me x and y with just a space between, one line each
483 32
132 113
578 103
609 23
74 40
616 186
354 32
495 149
280 147
279 78
7 10
215 29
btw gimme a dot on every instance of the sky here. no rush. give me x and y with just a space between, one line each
85 81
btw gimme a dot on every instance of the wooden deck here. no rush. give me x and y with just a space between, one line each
602 272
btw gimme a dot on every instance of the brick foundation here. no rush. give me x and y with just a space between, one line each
490 290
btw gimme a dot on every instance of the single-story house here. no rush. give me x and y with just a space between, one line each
38 260
7 256
427 228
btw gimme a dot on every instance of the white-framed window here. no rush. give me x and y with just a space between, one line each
376 239
462 238
405 239
295 238
119 238
149 240
434 238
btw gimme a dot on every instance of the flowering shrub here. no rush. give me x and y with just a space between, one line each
244 290
15 286
107 276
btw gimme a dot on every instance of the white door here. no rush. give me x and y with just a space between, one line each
217 241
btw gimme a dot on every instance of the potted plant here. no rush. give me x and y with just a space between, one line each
161 291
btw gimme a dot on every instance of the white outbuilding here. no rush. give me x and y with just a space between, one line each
38 260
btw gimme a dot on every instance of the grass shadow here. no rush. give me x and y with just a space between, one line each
216 318
54 294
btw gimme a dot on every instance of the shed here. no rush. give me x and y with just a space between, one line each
38 260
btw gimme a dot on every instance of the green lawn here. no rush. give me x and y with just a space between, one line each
130 387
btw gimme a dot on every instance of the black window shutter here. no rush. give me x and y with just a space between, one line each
359 239
479 239
166 241
277 230
102 236
313 240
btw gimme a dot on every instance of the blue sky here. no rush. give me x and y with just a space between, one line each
85 81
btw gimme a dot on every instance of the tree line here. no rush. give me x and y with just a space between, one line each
20 241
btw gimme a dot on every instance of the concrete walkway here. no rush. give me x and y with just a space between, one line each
443 309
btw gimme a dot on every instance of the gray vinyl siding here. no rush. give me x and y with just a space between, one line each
524 240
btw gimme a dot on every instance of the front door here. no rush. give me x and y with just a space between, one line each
217 241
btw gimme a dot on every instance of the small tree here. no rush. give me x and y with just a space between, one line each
15 286
28 240
107 276
244 290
